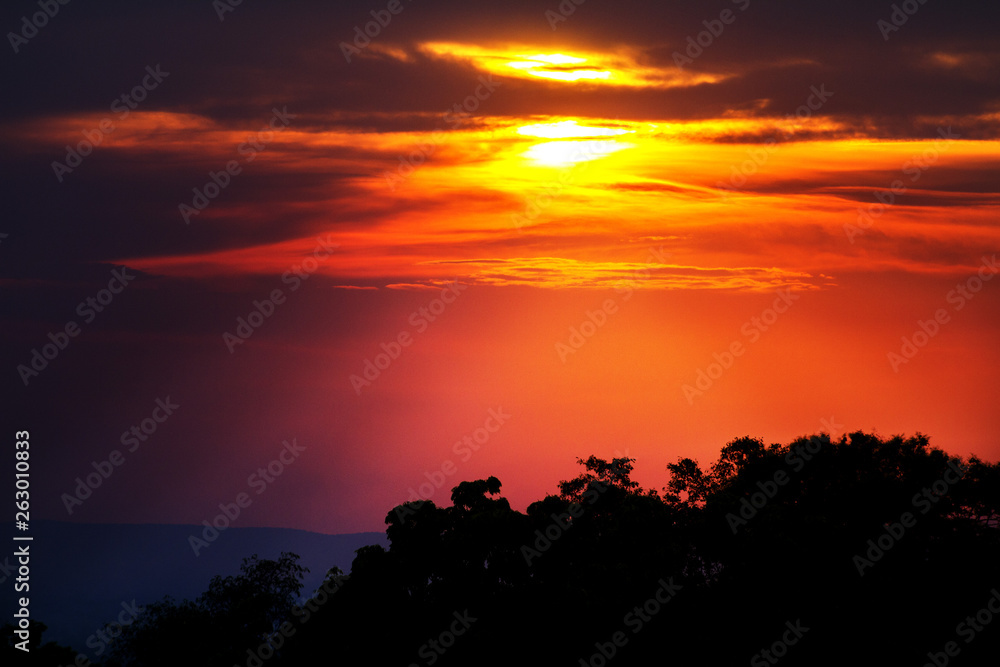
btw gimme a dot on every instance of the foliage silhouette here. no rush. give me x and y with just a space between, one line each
38 654
234 614
767 534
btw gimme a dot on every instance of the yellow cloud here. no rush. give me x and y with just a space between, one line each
591 68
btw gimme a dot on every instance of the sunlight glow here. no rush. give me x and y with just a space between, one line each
567 129
575 75
561 153
555 59
541 65
616 69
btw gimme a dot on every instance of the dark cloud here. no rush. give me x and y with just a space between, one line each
163 336
289 53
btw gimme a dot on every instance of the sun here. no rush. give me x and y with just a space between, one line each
568 129
562 152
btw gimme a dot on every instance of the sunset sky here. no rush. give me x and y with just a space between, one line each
486 238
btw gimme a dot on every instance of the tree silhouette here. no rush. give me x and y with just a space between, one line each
38 654
236 613
871 549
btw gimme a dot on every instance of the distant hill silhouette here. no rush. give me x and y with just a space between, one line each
81 573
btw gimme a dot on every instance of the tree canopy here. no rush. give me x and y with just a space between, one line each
862 551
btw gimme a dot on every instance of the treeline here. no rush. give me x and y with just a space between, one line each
862 551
